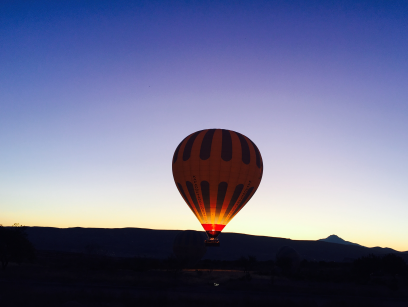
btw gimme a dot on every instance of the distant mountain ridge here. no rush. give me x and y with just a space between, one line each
338 240
140 242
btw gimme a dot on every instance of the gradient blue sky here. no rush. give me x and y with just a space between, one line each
96 95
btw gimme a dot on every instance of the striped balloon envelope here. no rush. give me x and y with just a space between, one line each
216 171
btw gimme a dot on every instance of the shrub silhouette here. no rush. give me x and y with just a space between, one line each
393 264
372 264
288 259
246 263
14 245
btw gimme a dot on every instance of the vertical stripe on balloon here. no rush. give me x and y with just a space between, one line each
222 191
234 198
257 155
244 200
184 195
189 146
246 155
226 151
176 153
205 192
190 189
205 150
177 150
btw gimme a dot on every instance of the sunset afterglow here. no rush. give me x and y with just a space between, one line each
95 97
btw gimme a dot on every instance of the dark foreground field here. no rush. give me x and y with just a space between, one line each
62 279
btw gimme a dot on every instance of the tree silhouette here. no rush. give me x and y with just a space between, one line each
372 264
14 245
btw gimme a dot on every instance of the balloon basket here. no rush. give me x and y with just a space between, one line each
214 243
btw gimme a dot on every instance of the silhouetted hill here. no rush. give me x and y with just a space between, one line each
130 242
338 240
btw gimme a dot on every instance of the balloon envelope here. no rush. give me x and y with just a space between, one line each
216 171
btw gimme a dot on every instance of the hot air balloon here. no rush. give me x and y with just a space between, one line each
216 171
188 246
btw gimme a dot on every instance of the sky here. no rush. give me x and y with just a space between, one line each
95 96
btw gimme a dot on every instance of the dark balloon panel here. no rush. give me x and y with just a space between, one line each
226 153
189 146
205 150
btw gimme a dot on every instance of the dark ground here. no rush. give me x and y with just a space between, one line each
73 279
